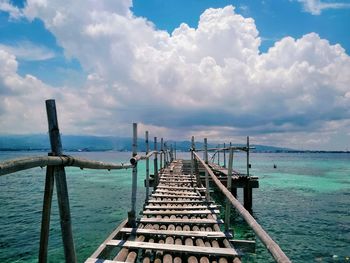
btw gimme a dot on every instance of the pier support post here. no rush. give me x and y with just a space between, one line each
247 190
45 220
61 185
192 157
248 196
219 154
248 164
147 166
233 189
162 155
174 150
224 155
155 162
229 186
132 213
207 194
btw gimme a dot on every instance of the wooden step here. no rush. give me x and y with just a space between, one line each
179 196
182 212
178 201
161 186
199 234
98 260
180 207
214 251
176 192
154 220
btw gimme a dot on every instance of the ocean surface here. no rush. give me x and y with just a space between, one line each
304 204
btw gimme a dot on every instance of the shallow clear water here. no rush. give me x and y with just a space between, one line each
303 204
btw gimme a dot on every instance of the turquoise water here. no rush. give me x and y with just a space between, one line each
303 204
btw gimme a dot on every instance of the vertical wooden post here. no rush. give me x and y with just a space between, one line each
155 162
45 219
219 154
233 189
247 190
132 213
61 184
229 184
192 156
207 194
248 165
147 166
224 155
161 154
174 150
165 155
171 153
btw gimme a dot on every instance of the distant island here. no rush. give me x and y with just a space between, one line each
73 143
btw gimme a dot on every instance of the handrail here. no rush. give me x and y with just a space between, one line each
138 157
20 164
227 148
270 244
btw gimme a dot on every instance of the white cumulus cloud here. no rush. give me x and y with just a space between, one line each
194 79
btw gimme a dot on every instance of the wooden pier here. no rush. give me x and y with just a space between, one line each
180 222
177 224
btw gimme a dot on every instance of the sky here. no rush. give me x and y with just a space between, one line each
277 71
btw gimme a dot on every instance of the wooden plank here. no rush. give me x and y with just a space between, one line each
179 196
96 260
177 192
180 207
175 248
168 180
183 212
180 221
178 201
181 188
202 234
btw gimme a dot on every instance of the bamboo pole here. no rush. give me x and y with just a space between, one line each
20 164
270 244
224 155
207 194
155 162
248 165
61 184
229 186
161 153
147 167
219 154
45 219
132 213
192 151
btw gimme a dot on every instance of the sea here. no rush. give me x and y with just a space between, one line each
303 203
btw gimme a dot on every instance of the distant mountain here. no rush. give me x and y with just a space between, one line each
100 143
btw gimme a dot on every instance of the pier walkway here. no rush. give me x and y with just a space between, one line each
177 225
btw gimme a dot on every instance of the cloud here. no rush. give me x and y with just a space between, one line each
315 7
14 12
29 51
200 80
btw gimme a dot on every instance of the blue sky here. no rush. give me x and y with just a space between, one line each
96 56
